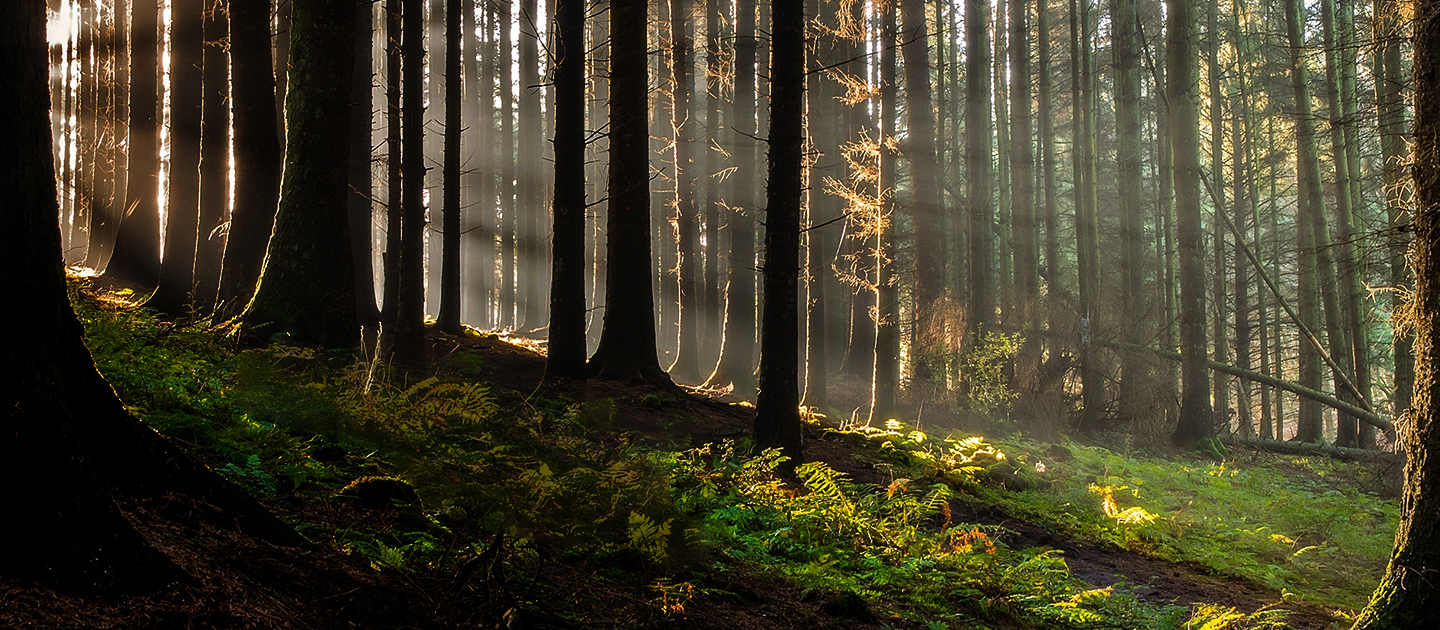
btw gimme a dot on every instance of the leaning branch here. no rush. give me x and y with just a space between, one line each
1307 448
1369 417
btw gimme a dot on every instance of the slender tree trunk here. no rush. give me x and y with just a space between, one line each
1045 114
1221 384
182 197
137 243
448 319
1311 202
687 364
1406 597
1240 130
307 287
257 154
887 296
777 415
1086 225
715 52
410 301
1180 86
531 203
214 158
566 359
394 167
980 310
1342 346
509 295
737 355
1022 200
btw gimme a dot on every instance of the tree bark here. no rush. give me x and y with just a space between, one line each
1407 596
566 358
136 255
627 341
1180 86
980 310
737 355
1311 202
448 319
257 154
777 408
306 290
182 197
886 378
359 200
410 301
687 365
214 158
60 416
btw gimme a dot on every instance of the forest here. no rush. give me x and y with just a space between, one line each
740 314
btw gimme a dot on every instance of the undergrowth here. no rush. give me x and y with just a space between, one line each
439 478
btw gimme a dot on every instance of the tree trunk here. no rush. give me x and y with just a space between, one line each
214 159
687 365
1395 152
627 341
737 354
509 311
448 319
182 199
715 52
531 202
980 309
925 210
1311 203
358 201
1180 86
306 291
137 243
60 414
1342 346
394 171
1087 247
1135 378
777 409
566 358
257 154
410 301
1406 598
886 377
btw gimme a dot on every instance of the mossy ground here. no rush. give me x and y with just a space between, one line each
605 505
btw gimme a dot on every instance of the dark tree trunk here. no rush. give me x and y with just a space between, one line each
358 201
919 150
777 408
214 158
1180 88
307 289
182 199
283 12
687 364
394 168
627 341
60 415
449 317
714 121
1406 598
566 359
137 244
410 301
886 376
1311 208
479 118
257 154
981 307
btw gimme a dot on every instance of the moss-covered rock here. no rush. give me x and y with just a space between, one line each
379 493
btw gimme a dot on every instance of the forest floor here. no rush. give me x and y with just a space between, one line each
553 508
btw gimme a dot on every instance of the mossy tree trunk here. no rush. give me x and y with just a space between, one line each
307 288
1407 597
257 154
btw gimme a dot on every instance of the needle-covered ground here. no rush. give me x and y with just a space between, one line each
458 493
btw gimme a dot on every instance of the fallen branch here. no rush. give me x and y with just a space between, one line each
1307 448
